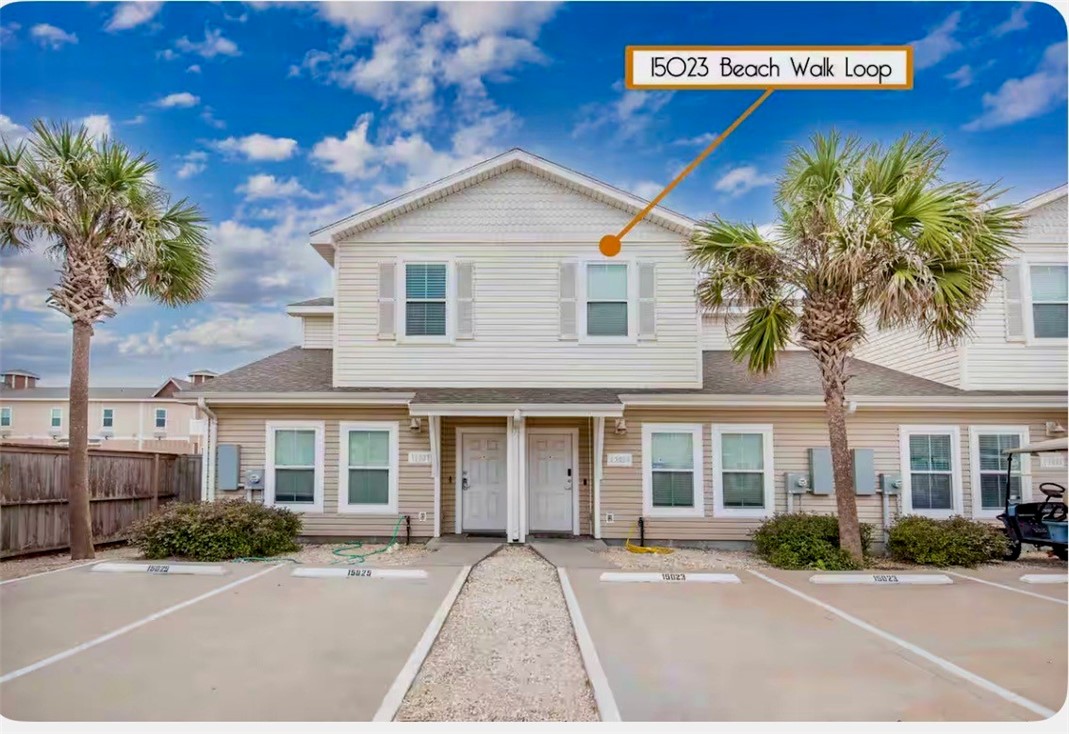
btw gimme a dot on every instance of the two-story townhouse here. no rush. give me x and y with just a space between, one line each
120 418
481 368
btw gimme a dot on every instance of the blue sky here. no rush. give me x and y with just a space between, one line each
277 118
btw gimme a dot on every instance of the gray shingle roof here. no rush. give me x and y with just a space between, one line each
297 370
326 301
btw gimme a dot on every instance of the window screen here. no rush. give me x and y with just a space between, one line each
743 469
295 466
672 469
1050 301
425 298
993 469
931 472
606 299
369 467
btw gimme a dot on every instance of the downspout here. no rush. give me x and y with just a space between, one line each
207 490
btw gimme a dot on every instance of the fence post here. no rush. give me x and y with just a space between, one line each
155 482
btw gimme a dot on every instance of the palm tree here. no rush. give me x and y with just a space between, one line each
115 234
866 236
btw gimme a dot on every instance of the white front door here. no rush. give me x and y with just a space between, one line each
484 482
551 484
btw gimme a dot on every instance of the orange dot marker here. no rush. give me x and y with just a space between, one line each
609 245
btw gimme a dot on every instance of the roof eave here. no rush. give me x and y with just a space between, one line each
858 402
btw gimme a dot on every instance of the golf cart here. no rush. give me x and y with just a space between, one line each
1042 524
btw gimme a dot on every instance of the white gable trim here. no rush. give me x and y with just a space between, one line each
324 238
1029 205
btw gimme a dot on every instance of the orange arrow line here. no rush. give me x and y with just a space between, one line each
693 164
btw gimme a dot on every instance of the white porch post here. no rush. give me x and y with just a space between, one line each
521 476
511 534
435 429
599 462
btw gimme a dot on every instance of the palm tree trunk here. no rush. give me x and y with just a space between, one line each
81 523
832 368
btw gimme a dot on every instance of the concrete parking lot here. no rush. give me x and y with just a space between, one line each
778 647
252 644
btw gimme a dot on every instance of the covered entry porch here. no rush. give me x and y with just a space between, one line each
516 470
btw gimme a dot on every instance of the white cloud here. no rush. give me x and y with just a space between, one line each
178 99
135 120
9 32
98 126
964 76
208 115
480 19
1027 97
1016 21
352 156
266 186
259 147
49 36
701 140
193 163
250 330
214 44
938 44
739 180
646 189
628 116
10 131
193 69
132 14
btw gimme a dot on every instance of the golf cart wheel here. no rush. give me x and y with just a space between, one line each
1061 553
1014 550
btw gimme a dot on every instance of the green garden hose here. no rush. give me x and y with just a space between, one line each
346 552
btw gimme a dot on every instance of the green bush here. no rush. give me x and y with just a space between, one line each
801 540
217 531
956 541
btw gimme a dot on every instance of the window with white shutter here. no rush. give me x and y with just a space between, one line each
1011 290
647 301
387 300
567 300
465 300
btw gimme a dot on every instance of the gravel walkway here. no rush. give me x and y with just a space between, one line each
18 567
507 651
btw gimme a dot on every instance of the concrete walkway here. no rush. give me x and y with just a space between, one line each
466 553
572 553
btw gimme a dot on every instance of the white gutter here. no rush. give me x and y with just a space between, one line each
310 311
554 410
882 402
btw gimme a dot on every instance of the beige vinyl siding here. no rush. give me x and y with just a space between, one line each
318 332
248 427
516 228
793 433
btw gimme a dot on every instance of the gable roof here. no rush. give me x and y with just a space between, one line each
323 239
1043 199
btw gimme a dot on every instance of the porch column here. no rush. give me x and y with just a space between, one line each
521 477
599 462
434 423
511 534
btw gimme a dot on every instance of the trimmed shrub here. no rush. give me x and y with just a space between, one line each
956 541
800 540
217 531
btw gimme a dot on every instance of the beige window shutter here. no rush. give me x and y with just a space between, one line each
647 301
465 300
387 300
567 300
1011 290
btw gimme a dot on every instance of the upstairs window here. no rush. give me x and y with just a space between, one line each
5 417
57 418
425 299
161 418
606 299
1050 301
107 419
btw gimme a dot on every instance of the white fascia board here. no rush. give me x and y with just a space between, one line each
881 402
310 310
1043 199
299 398
546 410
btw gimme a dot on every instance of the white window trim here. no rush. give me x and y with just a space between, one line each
1025 464
904 432
269 464
1024 271
648 510
51 413
344 506
7 410
632 302
401 299
156 417
765 431
104 410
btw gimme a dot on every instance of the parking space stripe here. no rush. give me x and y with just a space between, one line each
943 663
392 701
54 570
130 627
1044 597
603 696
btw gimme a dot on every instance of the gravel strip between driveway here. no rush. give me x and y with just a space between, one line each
507 651
682 559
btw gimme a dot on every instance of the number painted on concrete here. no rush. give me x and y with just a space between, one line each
669 577
159 569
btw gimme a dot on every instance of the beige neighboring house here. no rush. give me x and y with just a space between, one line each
480 368
120 418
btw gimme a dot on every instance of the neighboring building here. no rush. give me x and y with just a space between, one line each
120 418
481 368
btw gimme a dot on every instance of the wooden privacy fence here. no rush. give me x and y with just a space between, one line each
124 486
